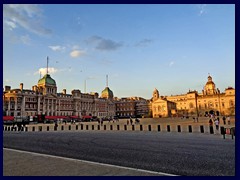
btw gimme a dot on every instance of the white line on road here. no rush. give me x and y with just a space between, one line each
91 162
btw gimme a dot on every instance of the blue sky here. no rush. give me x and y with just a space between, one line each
140 47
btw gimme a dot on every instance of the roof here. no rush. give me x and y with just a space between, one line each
47 80
107 93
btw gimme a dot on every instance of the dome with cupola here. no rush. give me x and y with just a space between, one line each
47 80
107 93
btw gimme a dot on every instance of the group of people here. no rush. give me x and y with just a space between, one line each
217 121
137 121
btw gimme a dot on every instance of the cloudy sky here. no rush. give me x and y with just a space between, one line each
141 47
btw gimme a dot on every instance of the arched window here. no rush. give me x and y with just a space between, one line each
191 105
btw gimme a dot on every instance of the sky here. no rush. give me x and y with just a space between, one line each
140 47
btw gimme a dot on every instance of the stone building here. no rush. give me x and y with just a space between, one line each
193 103
44 99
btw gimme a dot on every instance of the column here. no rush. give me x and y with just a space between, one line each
23 106
39 104
15 106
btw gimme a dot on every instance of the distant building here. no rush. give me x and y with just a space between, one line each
44 99
193 103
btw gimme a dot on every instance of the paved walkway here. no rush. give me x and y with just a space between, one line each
21 163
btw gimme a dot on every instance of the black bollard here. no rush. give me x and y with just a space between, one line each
98 127
125 127
69 127
149 127
190 128
211 129
159 128
40 128
179 128
111 127
47 128
202 129
26 128
105 127
33 128
86 127
223 132
81 126
62 128
168 128
118 127
133 128
76 127
141 127
92 127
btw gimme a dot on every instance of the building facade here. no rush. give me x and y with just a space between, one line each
44 99
193 103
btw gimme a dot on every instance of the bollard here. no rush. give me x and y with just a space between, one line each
33 128
87 127
81 126
179 128
5 128
159 128
133 128
105 127
92 127
202 129
69 127
111 127
168 128
98 127
10 128
26 128
62 128
190 128
39 128
47 128
76 127
222 130
141 127
118 127
149 127
211 129
125 127
232 131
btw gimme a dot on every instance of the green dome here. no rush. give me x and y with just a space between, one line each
47 80
107 93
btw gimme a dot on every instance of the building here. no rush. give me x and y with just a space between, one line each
193 103
44 99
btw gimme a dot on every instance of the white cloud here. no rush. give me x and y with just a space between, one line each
57 48
202 9
171 63
25 39
43 71
7 80
76 53
27 16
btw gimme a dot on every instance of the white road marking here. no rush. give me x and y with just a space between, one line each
90 162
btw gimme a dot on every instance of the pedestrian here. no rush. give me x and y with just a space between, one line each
228 120
216 124
224 120
210 122
131 121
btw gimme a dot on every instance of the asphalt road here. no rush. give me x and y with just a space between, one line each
186 154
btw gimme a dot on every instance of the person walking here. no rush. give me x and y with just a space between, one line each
228 120
224 120
216 124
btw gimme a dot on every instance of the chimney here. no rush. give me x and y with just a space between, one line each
21 86
64 91
7 88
